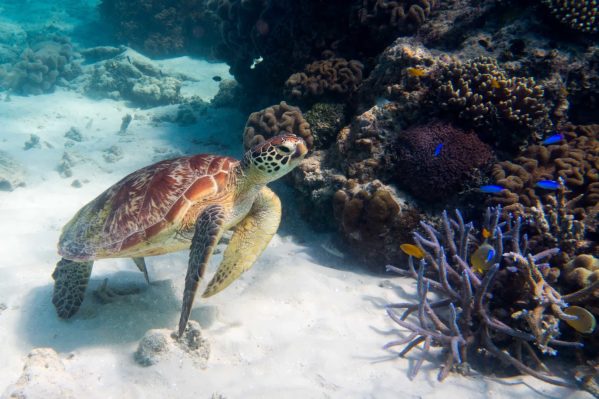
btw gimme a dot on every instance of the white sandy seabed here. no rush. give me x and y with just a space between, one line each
301 323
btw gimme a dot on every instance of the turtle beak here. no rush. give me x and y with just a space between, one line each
300 150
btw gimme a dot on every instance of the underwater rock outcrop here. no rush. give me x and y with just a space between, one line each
12 173
275 120
501 302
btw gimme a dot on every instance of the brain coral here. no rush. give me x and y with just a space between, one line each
275 120
582 15
384 16
333 76
485 96
432 177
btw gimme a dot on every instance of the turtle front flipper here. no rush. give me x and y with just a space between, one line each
249 240
70 282
208 230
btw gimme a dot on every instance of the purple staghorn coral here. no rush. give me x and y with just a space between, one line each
509 312
437 160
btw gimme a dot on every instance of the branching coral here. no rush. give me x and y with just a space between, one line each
510 311
275 120
335 76
436 160
581 15
484 95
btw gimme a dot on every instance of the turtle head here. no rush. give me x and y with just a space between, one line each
275 157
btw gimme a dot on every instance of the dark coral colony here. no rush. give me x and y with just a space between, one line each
452 142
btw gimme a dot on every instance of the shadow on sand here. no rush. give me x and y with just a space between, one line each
123 320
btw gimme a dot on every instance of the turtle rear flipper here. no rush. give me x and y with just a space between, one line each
70 282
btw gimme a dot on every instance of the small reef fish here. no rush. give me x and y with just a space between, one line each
416 72
491 189
495 84
486 233
482 259
547 184
585 322
438 149
331 249
412 250
556 138
256 62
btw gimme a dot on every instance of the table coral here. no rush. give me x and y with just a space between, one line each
274 120
460 158
581 15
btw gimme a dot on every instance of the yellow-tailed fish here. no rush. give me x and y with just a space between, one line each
495 84
412 250
482 259
416 72
585 323
486 233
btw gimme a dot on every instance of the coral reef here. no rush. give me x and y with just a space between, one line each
391 17
483 94
335 76
325 119
437 160
41 67
373 219
575 160
582 271
163 27
510 310
581 15
275 120
132 77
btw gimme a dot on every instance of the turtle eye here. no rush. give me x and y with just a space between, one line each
284 150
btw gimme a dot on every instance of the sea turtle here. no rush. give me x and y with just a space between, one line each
176 204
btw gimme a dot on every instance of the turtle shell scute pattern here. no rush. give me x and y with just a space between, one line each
142 204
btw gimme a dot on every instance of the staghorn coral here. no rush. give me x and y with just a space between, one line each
485 96
511 311
275 120
41 67
335 76
430 177
581 15
575 160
